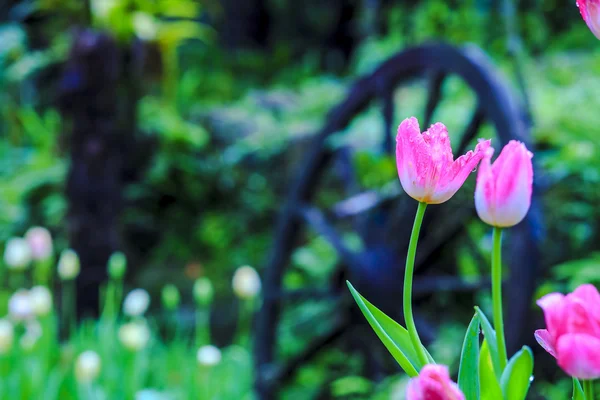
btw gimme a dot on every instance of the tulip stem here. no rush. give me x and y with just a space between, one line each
408 280
588 388
497 296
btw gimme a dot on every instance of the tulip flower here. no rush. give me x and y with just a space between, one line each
136 303
503 190
87 366
208 356
40 243
590 11
17 254
134 335
433 383
572 333
426 166
246 282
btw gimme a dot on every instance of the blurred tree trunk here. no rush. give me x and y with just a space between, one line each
99 95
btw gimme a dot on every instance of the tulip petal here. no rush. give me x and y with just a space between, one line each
590 298
579 355
485 189
457 173
412 159
554 307
545 340
590 11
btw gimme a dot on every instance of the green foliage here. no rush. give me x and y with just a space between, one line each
517 376
468 374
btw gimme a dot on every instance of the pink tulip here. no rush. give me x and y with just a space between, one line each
503 191
433 383
425 162
590 11
573 331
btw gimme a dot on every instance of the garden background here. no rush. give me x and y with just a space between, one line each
176 140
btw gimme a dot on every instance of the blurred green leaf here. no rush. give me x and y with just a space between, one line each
490 387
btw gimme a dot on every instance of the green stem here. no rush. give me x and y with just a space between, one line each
497 296
588 388
408 279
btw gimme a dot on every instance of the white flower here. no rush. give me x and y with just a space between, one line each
68 265
41 300
136 303
17 254
151 394
40 243
19 305
208 356
7 335
246 282
145 26
87 366
33 331
134 335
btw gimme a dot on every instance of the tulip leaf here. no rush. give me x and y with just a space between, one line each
490 387
393 335
517 375
577 390
468 372
490 334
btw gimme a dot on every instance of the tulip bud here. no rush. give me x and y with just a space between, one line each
203 292
87 366
40 243
503 190
41 300
433 382
20 307
68 265
590 11
117 265
7 336
17 254
208 356
134 335
246 282
136 303
170 297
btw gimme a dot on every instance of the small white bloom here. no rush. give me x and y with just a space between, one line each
7 335
208 356
151 394
68 265
40 243
87 366
33 332
17 254
246 282
145 26
41 300
19 305
134 335
136 303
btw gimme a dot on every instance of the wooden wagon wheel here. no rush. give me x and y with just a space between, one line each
380 220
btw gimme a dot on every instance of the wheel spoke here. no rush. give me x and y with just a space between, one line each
283 372
315 218
434 96
365 201
386 93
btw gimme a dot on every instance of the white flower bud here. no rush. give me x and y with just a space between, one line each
208 356
134 335
17 254
246 282
40 243
33 332
41 300
87 366
136 303
7 335
20 307
68 265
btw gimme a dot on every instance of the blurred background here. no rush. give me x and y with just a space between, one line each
174 130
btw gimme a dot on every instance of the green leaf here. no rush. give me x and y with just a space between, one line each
577 390
468 372
490 334
394 337
516 378
490 387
